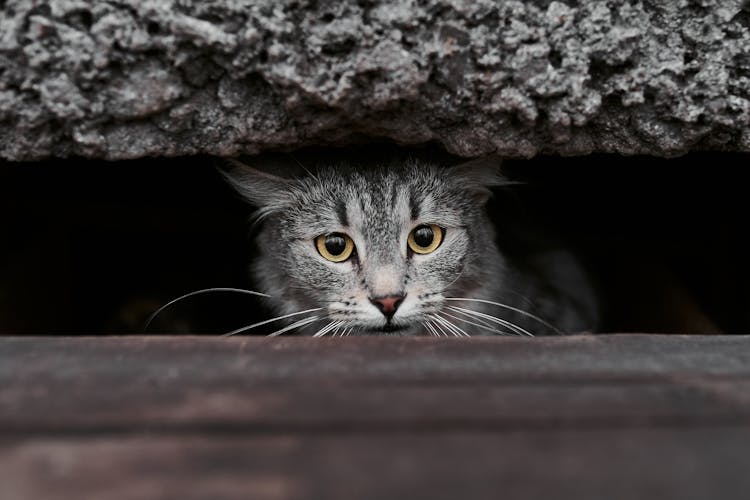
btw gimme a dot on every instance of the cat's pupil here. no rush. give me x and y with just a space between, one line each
335 244
423 236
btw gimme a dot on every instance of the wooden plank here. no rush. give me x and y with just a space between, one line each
658 463
113 384
376 358
629 416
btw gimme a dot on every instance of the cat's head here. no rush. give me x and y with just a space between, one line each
377 250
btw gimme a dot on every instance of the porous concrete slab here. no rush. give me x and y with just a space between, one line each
129 78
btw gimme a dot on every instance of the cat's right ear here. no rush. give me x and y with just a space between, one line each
266 191
479 176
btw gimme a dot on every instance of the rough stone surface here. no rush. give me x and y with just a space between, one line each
128 78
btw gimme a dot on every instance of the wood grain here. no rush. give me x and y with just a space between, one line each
621 416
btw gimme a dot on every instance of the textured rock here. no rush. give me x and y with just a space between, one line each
128 78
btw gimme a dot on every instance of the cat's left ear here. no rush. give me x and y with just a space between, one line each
479 176
268 192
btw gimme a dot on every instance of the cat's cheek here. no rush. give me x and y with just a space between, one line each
337 270
456 240
316 277
437 274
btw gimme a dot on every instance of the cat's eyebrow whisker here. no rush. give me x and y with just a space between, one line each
449 324
200 292
296 324
507 324
511 308
483 325
278 318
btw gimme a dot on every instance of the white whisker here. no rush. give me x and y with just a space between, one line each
336 330
494 319
438 327
442 324
511 326
245 328
483 326
457 332
453 326
327 325
429 328
200 292
431 324
343 328
519 311
330 326
478 320
296 324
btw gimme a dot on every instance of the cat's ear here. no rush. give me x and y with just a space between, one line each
266 191
479 176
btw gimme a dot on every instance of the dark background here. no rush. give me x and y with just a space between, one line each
94 247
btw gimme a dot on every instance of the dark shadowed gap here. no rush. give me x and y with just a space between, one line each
93 247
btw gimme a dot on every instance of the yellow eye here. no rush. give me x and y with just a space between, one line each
425 238
336 247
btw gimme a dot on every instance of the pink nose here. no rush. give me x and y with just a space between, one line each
388 305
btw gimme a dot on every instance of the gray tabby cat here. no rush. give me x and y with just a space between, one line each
405 249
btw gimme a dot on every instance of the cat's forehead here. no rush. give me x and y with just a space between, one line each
383 199
349 198
374 188
383 206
